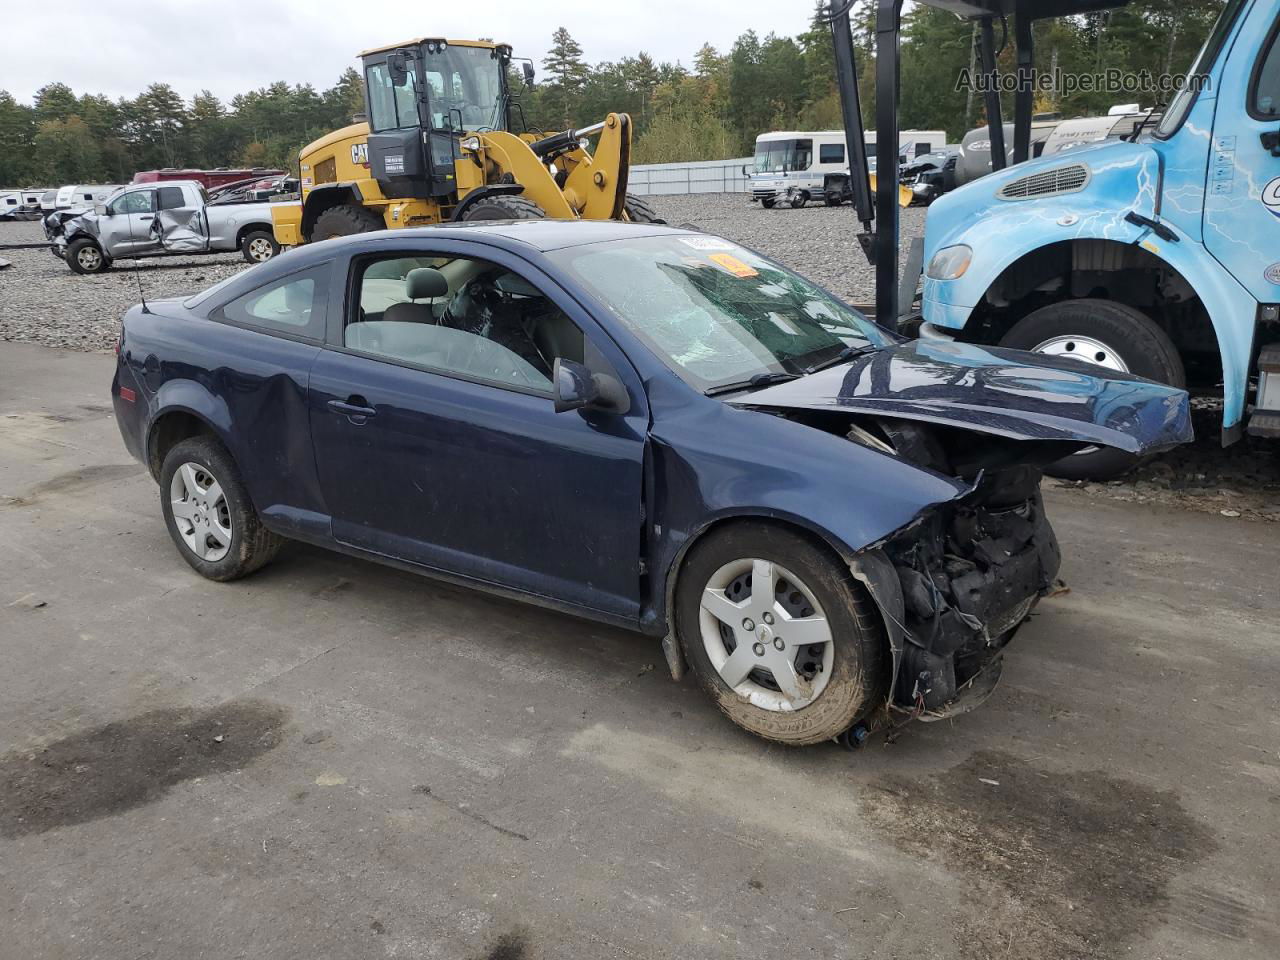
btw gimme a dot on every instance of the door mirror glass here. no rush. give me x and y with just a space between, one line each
577 388
574 385
398 68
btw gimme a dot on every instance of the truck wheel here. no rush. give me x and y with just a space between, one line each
209 514
768 202
832 199
85 256
1112 335
779 634
345 220
639 211
799 199
504 206
259 246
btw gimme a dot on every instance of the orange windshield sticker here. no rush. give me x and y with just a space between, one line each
734 265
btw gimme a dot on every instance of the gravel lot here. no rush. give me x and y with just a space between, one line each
42 301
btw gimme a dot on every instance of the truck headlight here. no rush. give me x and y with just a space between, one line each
950 263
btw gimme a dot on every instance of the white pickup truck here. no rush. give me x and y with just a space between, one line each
174 218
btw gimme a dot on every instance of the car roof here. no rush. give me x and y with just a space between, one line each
540 235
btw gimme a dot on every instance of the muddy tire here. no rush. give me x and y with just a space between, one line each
749 600
84 256
258 246
639 211
1113 335
346 220
504 206
209 514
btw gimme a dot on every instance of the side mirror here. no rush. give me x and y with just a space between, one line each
745 171
398 68
100 209
528 73
577 388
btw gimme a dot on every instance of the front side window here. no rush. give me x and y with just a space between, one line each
831 153
1264 98
717 313
140 201
782 156
292 305
460 316
392 106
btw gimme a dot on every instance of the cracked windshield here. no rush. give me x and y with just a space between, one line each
718 314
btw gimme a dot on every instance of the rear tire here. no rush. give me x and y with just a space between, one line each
216 528
504 206
259 246
346 220
844 673
639 211
768 202
832 199
798 200
84 256
1114 335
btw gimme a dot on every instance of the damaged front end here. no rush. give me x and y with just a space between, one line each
63 226
955 585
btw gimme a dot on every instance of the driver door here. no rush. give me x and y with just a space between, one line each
437 441
125 229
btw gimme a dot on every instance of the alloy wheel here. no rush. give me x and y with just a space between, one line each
200 511
766 635
260 249
90 258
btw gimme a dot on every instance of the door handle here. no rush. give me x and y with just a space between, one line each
144 218
355 408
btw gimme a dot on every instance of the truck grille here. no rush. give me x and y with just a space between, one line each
1067 179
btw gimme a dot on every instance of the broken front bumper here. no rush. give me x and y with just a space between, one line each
953 590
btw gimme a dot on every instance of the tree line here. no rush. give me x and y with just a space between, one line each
713 108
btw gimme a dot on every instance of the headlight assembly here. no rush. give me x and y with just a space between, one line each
950 263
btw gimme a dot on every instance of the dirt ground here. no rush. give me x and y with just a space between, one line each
336 759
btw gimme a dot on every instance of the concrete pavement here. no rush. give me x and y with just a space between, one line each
408 769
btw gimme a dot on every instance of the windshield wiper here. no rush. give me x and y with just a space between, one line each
846 354
759 380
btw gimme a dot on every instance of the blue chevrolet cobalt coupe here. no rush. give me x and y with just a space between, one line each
646 426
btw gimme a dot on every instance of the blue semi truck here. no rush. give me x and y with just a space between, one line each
1159 255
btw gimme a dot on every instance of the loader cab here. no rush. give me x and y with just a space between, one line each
421 97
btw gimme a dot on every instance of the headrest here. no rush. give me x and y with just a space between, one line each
425 283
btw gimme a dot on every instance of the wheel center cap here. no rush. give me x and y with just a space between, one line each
764 634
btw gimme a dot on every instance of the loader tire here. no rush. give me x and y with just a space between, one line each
639 211
345 220
504 206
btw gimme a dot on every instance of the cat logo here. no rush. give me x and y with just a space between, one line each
360 154
1271 196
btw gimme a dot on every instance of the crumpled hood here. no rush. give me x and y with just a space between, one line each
66 223
1009 393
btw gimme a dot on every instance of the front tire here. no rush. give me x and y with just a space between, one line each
209 514
504 206
799 199
768 202
84 256
258 246
345 220
1112 335
779 634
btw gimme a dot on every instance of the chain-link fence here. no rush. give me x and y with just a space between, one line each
708 176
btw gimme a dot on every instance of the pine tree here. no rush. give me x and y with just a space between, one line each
568 72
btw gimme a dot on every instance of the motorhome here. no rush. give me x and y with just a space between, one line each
791 164
83 194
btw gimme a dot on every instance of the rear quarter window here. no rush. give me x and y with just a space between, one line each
292 306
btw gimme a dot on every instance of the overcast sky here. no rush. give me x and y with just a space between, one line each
230 46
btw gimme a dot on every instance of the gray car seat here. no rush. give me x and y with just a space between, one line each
422 283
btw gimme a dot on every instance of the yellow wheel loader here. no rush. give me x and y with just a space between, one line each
438 146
